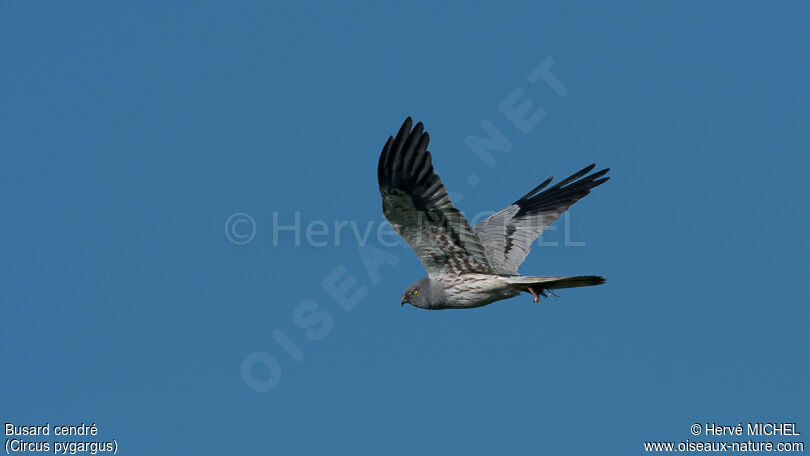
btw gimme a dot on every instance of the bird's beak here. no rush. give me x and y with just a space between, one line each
404 300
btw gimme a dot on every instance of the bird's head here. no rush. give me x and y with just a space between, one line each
423 293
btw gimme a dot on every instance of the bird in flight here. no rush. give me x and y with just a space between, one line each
470 266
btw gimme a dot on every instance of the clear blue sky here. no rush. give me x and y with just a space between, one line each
132 131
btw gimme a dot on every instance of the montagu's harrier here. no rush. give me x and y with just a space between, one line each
470 266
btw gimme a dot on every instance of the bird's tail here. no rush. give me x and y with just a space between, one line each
538 283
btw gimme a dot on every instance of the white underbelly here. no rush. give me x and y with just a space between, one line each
475 290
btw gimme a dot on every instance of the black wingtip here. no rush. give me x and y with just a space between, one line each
599 182
404 130
384 158
408 122
535 190
563 193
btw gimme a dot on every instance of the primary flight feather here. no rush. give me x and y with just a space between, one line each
469 266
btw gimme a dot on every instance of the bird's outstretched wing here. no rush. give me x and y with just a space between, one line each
416 204
508 235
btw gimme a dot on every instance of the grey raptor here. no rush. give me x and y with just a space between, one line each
470 266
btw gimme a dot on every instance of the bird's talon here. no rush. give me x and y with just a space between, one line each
534 293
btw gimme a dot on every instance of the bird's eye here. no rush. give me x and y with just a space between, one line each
415 291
